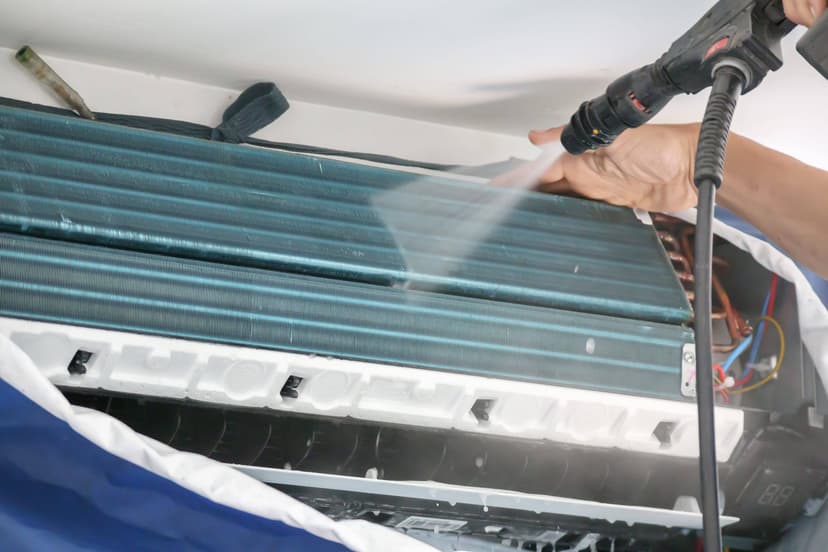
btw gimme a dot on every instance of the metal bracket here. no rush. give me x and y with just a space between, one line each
688 370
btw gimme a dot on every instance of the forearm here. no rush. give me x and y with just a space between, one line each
784 198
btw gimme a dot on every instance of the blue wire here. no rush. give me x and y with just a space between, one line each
754 351
760 330
734 354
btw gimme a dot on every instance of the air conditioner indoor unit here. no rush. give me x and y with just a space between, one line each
390 344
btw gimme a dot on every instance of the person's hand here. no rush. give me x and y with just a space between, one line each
804 12
649 168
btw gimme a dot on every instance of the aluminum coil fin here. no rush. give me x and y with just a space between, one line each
144 293
101 184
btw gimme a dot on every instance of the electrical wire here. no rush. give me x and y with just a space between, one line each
754 351
744 379
719 378
772 298
736 353
720 373
779 359
767 310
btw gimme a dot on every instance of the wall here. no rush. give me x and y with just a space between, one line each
108 89
456 81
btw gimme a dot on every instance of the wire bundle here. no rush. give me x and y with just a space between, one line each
721 370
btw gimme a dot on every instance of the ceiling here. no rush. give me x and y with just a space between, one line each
486 64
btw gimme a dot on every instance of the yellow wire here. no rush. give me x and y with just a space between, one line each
779 359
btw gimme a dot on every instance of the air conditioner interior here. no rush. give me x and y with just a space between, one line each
84 279
781 449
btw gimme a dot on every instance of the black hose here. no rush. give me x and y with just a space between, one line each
727 86
704 368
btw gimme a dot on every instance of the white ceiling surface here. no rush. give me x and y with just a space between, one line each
500 66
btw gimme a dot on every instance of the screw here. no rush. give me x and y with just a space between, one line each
689 358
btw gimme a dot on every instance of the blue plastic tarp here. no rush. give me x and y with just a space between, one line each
76 479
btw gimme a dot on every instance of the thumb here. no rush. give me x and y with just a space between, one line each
539 137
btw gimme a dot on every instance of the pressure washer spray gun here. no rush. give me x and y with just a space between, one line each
731 49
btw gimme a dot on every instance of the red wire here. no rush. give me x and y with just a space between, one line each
772 296
719 372
699 545
771 302
744 379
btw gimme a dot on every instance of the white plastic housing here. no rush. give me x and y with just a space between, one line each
174 368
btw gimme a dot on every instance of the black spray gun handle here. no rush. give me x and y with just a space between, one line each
813 46
745 34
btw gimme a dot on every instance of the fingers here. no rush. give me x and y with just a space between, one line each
554 179
564 187
529 175
539 137
791 8
558 187
817 8
804 12
554 173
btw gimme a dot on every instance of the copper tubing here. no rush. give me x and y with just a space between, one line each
660 219
681 260
721 263
719 314
733 327
745 329
680 253
668 240
673 249
682 265
737 328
